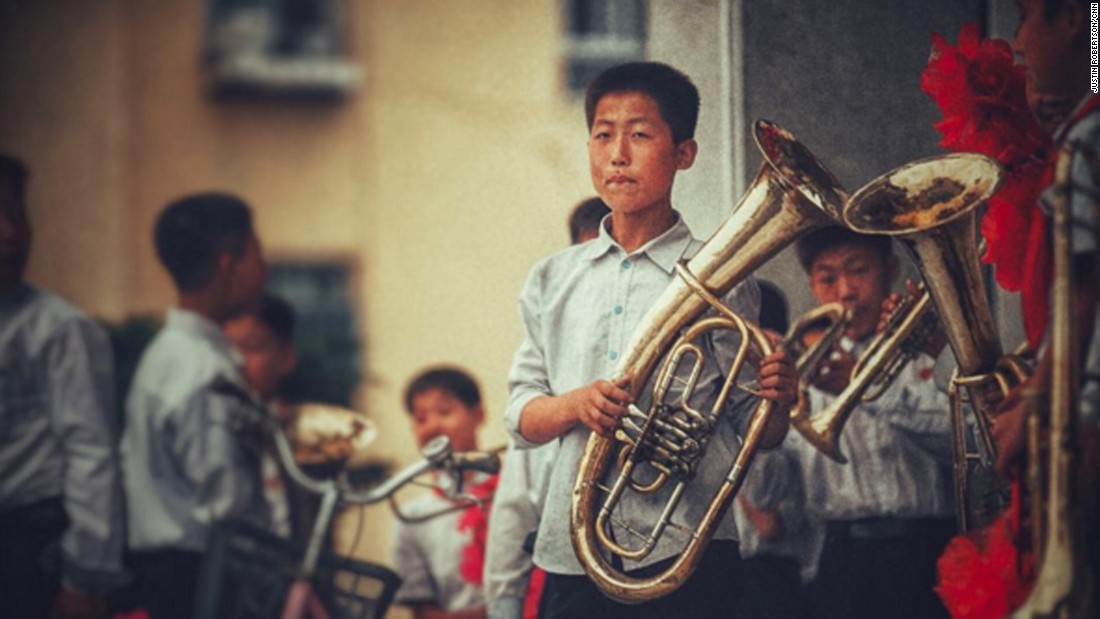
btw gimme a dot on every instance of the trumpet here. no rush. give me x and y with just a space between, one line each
828 323
791 194
907 329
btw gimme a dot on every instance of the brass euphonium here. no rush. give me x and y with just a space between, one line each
929 206
791 194
1063 587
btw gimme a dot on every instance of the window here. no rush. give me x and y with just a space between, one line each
601 34
326 335
292 48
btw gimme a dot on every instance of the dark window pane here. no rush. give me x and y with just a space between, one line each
326 336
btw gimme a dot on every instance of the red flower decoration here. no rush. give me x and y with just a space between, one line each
476 519
982 94
982 573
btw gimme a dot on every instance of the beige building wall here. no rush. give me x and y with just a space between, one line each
446 176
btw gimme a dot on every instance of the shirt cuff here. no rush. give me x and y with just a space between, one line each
511 418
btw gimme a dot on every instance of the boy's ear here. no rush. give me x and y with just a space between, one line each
224 265
685 153
479 414
1073 16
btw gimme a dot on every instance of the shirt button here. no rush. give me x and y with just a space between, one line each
613 355
618 309
626 264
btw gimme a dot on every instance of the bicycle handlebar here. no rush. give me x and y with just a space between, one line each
437 455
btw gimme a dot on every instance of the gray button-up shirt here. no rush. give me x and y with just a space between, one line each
899 451
58 429
579 309
190 456
775 484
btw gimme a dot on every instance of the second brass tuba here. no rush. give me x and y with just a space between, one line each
792 194
929 206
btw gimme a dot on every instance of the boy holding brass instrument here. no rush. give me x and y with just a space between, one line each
1054 39
888 511
580 306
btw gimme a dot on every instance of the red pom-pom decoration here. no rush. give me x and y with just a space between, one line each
982 94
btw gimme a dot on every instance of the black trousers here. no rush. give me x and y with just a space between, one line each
773 589
712 591
881 568
165 582
30 574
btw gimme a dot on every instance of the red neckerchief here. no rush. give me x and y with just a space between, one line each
476 519
1035 292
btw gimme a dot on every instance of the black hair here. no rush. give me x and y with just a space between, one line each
773 307
1052 7
14 171
675 95
813 244
451 379
586 216
192 232
275 313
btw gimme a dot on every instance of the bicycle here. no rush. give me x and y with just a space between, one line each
311 589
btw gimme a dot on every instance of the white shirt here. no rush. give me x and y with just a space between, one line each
899 453
58 429
775 483
190 456
428 556
579 308
517 508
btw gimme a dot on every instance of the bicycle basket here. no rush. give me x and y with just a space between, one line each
247 571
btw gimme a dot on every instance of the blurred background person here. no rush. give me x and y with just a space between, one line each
584 220
780 542
61 524
191 454
265 338
441 560
889 511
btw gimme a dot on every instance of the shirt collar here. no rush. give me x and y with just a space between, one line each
1067 124
664 250
195 324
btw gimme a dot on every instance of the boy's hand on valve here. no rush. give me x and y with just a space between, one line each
600 404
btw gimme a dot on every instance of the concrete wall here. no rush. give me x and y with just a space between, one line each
844 77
